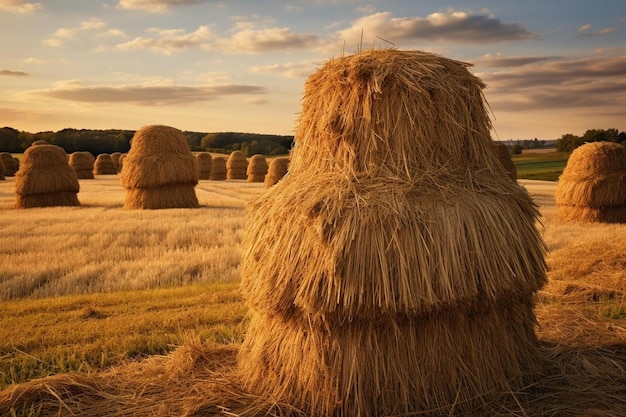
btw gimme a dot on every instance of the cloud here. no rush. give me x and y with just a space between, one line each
451 26
500 61
563 83
153 6
584 28
9 73
300 69
601 32
147 95
19 6
245 38
66 33
256 100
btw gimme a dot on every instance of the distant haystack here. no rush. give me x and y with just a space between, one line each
218 169
39 142
45 179
592 187
393 270
82 164
121 162
1 170
104 165
236 166
257 168
204 160
277 170
10 166
160 171
504 157
115 156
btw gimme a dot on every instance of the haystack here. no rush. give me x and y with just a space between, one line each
39 142
1 170
257 169
82 164
45 179
10 166
592 187
392 272
504 157
115 156
104 165
159 171
121 161
204 160
218 169
277 170
236 166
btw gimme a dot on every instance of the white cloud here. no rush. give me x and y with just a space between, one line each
92 25
584 28
366 8
451 26
173 40
153 6
149 94
19 6
300 69
501 61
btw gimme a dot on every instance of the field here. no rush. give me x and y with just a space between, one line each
143 301
540 164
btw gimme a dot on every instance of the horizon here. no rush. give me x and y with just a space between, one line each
216 66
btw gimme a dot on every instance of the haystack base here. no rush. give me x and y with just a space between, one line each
84 174
603 190
256 178
396 365
616 214
163 197
58 198
236 174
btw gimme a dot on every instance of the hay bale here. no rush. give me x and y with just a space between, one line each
45 179
204 160
257 169
115 156
218 169
236 166
121 161
393 271
278 168
104 165
82 164
39 142
159 171
10 166
504 157
592 187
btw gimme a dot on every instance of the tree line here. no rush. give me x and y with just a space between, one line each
117 140
569 142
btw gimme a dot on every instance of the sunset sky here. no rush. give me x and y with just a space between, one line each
551 66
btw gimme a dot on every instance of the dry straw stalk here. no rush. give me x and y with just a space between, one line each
412 256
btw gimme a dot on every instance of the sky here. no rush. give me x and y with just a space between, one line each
551 66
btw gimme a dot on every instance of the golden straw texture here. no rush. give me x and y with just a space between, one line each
236 166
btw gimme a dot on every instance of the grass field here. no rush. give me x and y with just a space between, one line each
99 290
546 166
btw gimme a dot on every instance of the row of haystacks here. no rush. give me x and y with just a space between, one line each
83 164
45 178
592 186
159 171
413 258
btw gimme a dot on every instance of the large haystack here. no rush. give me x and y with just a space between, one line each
204 159
236 166
45 179
82 163
278 168
592 187
393 270
104 165
10 166
159 171
218 169
504 157
257 169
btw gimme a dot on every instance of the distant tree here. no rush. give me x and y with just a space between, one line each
9 140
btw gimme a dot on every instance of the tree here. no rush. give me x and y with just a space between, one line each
9 140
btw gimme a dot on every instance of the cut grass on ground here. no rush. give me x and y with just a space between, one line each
540 166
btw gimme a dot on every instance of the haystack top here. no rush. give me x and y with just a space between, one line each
405 113
597 158
44 156
159 139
